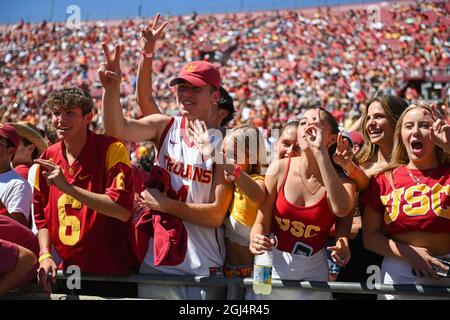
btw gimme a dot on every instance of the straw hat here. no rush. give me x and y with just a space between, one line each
28 131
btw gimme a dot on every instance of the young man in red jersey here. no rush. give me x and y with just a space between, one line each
83 196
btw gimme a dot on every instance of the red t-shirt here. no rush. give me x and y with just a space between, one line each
423 205
95 242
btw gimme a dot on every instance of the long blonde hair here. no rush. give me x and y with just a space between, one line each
399 155
393 107
245 135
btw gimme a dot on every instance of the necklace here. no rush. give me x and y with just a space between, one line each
413 177
304 183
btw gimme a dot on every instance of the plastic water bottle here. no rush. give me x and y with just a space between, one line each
262 273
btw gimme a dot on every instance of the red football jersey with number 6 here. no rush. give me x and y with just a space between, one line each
84 237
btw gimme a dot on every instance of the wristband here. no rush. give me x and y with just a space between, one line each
236 173
45 256
147 55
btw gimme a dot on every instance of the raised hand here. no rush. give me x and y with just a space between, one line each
344 153
109 72
149 36
440 131
198 130
313 133
54 175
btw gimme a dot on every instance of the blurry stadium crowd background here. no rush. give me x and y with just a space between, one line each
274 64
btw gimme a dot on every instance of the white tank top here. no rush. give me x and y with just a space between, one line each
191 177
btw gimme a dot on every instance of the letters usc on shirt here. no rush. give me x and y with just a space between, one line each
410 206
297 228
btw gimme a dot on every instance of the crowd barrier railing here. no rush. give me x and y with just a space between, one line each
233 284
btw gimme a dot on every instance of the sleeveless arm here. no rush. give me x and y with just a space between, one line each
117 125
144 89
254 189
206 214
340 196
264 219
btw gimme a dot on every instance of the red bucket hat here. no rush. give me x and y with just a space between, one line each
199 74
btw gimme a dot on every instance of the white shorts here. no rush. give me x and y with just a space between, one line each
287 266
237 232
398 271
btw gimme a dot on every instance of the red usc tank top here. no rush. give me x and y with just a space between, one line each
301 230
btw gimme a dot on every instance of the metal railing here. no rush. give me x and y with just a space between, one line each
234 283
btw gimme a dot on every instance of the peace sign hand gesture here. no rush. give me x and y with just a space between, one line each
440 131
109 71
149 36
202 138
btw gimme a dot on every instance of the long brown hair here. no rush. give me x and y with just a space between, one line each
393 107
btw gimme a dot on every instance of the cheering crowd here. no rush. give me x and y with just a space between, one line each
183 152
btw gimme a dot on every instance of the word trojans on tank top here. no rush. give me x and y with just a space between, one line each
191 178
